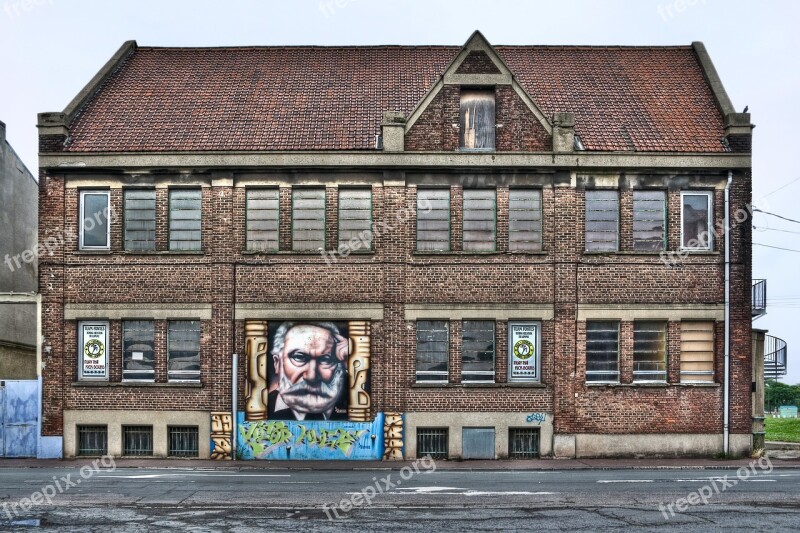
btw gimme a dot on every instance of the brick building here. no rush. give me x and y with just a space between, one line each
467 251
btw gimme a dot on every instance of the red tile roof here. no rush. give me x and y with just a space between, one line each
314 98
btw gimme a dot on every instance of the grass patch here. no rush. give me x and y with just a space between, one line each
783 429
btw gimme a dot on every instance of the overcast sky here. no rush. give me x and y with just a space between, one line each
49 49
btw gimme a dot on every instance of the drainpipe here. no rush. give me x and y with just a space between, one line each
234 393
726 384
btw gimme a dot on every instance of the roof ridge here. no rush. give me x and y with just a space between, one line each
417 47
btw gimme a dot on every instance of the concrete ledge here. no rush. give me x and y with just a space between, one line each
589 445
647 311
160 420
386 160
479 311
306 311
109 311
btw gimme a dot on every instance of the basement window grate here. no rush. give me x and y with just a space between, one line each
523 443
183 442
92 440
137 440
432 442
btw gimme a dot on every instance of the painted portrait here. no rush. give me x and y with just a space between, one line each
307 370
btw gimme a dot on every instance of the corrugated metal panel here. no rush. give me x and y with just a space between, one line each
477 443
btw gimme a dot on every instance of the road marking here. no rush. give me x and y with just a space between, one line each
152 476
625 480
463 492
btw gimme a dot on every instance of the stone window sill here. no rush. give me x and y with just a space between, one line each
478 386
134 384
650 385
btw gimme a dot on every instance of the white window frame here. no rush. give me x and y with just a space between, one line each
107 194
710 205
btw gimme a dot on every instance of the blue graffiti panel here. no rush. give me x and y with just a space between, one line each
289 439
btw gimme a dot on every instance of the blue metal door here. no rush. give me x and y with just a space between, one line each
19 416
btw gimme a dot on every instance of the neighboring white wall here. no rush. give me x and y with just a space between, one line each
19 201
455 422
158 419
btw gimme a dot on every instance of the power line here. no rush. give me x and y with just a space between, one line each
774 215
781 187
776 229
776 247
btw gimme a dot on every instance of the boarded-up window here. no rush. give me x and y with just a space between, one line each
308 219
602 221
477 120
602 352
649 351
355 219
185 219
183 344
525 220
138 350
696 220
479 220
477 350
697 352
649 221
140 219
433 220
432 351
262 219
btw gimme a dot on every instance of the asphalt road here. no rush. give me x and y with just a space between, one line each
400 501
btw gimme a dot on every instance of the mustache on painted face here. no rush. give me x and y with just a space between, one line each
317 397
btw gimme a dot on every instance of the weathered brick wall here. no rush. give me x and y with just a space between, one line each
477 62
518 128
395 275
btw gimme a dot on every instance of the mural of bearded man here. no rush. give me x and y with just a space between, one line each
309 378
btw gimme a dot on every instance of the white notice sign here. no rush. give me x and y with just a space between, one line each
523 348
94 351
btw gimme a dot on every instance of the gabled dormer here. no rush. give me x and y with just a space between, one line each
476 106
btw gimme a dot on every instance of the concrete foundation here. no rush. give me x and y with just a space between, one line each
160 420
456 422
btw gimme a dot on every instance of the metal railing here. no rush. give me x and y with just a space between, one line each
775 352
759 307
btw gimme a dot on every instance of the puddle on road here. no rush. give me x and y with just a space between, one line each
34 522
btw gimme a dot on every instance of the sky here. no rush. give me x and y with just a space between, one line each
49 49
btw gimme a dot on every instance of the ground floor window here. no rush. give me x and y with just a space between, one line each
183 441
432 442
137 440
523 443
92 440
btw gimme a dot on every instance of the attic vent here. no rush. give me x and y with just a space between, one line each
578 144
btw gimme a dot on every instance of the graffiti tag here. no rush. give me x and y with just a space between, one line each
536 417
337 439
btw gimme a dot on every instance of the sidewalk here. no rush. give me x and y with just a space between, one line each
442 465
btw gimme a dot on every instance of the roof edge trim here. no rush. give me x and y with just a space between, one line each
712 78
91 88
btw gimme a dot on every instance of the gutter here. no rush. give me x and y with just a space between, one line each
726 383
